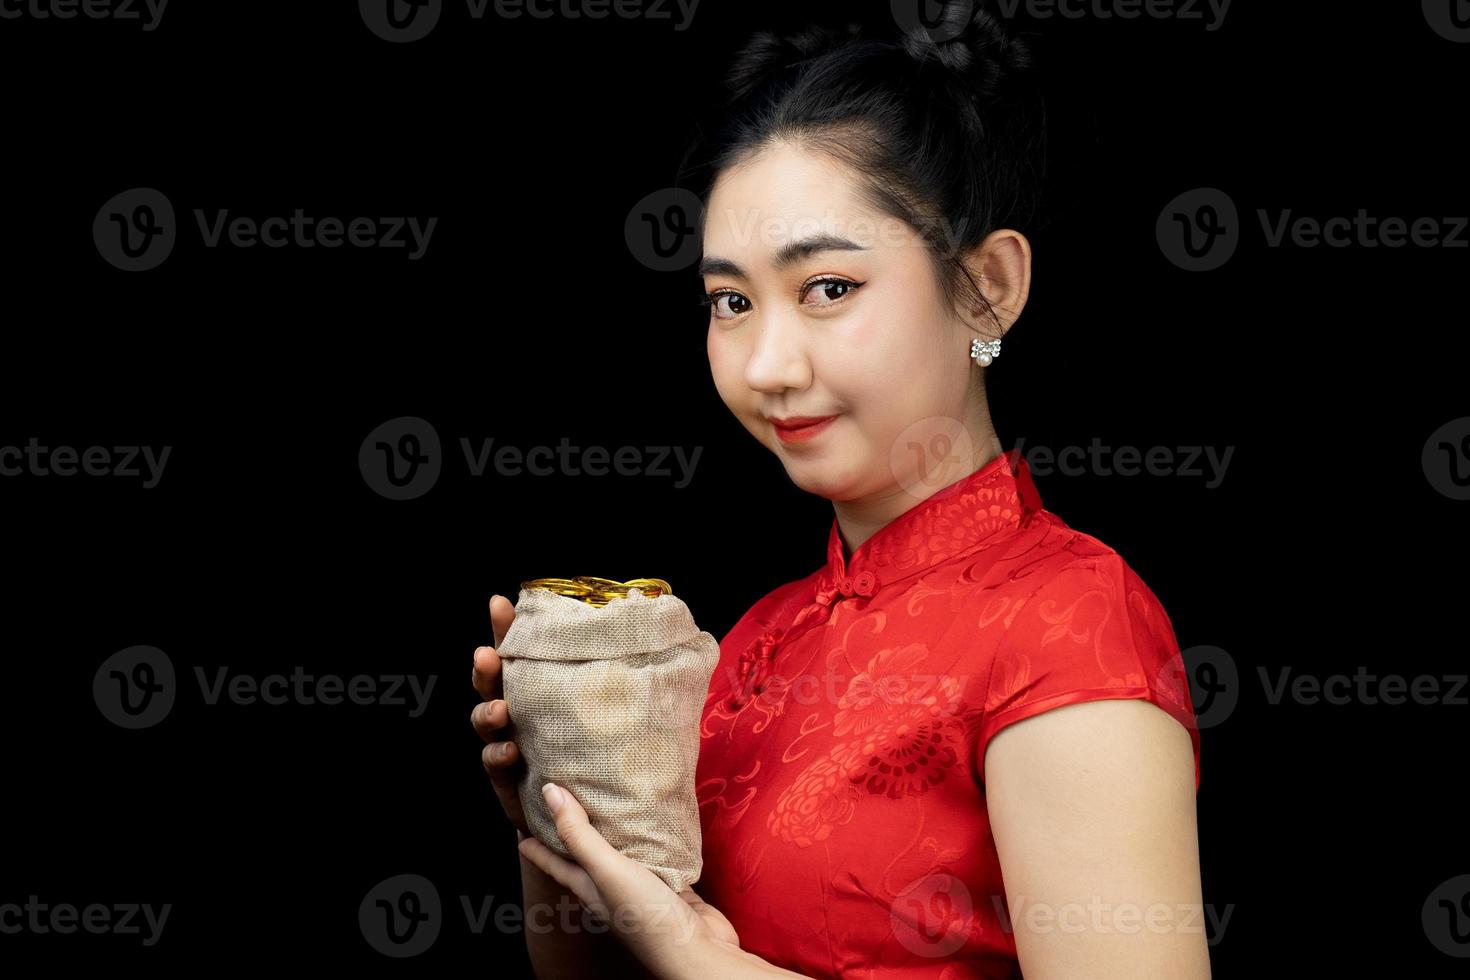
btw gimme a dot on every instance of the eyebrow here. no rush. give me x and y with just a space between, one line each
791 252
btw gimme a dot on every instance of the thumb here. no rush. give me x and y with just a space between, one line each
586 845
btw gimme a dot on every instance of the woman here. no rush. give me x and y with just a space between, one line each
964 746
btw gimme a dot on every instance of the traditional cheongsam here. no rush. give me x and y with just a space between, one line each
841 767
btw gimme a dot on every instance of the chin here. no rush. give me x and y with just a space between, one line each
825 477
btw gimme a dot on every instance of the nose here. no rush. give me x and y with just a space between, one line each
779 360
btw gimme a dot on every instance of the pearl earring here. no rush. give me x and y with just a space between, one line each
984 352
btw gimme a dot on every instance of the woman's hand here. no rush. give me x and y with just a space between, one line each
501 757
675 936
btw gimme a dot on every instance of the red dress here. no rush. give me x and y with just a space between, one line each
840 776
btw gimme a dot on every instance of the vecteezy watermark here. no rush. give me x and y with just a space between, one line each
148 13
1192 462
932 916
1215 686
40 918
402 916
930 454
941 24
1098 917
1213 681
663 230
135 688
1446 917
136 230
35 459
1200 230
1447 19
1446 458
402 459
1364 687
401 21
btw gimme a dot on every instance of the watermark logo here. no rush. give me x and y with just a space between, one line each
944 22
1446 459
402 21
1199 230
933 916
1210 13
135 688
1122 918
146 13
941 22
1213 681
1207 463
136 231
1446 917
1449 19
402 459
129 462
39 918
931 454
662 229
401 916
1363 687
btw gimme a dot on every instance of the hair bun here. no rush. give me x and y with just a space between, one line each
971 43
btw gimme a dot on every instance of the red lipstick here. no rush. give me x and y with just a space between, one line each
800 428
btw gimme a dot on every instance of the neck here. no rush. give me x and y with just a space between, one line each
861 518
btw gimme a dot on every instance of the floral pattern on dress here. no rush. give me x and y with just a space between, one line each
904 741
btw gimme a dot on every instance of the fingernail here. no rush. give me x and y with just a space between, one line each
554 797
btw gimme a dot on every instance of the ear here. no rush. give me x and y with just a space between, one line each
1001 266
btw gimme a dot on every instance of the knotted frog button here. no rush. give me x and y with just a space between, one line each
865 583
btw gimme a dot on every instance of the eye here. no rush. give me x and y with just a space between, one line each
726 304
831 289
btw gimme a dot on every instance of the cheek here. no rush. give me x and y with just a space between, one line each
876 358
726 366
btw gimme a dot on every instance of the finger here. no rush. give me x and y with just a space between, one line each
565 873
502 614
490 719
486 673
505 780
588 848
498 757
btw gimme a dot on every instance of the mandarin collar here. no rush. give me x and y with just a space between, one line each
996 498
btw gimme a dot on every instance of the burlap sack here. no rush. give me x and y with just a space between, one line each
605 702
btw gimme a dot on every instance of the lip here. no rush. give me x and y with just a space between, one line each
800 428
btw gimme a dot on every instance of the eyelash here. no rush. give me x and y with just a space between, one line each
709 299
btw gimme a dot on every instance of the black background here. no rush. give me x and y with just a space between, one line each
1324 828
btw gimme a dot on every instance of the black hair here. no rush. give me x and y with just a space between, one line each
941 125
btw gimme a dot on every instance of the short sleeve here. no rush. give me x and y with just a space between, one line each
1093 631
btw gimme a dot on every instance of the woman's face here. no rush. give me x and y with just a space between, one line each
857 331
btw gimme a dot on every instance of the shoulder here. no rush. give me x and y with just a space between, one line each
1067 569
1083 626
